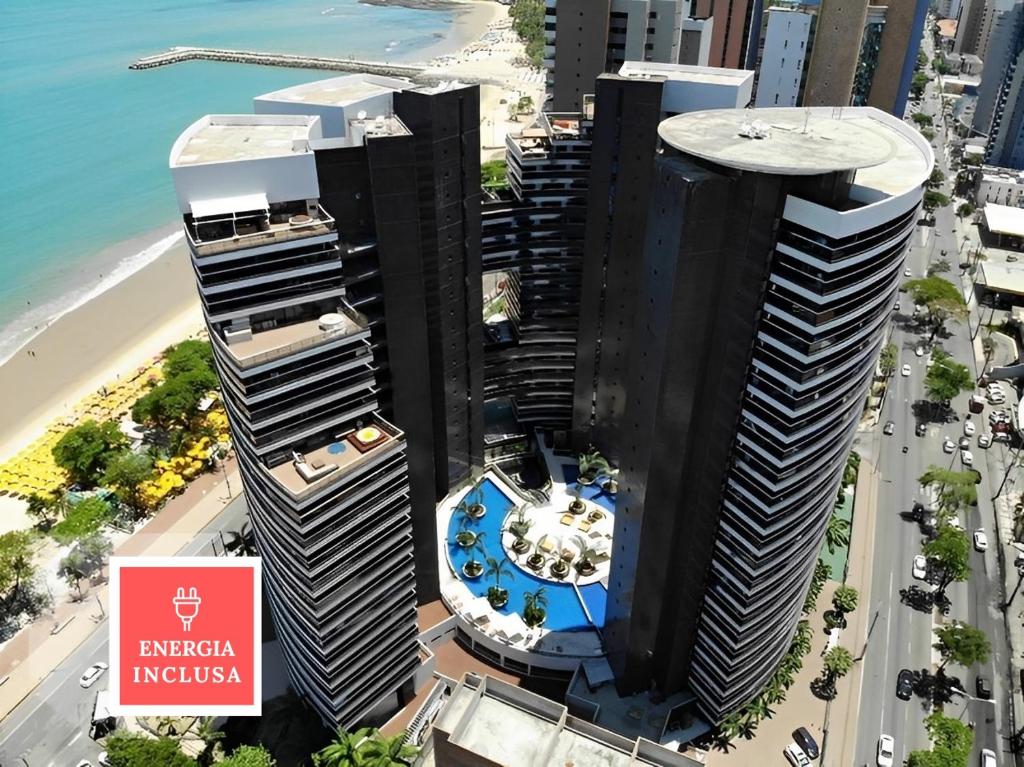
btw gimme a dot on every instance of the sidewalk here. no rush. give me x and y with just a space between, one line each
35 652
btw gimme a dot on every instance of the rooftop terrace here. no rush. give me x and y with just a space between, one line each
263 346
230 138
338 91
688 73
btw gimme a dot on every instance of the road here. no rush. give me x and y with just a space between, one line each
50 728
902 636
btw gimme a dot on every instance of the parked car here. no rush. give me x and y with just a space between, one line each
907 272
806 741
889 428
905 370
795 756
969 427
964 443
966 457
94 672
976 404
886 745
984 440
998 416
921 429
103 759
997 399
896 306
948 445
982 688
919 351
920 568
905 684
988 758
980 540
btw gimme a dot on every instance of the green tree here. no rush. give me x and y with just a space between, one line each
918 83
837 663
345 751
16 568
961 643
83 452
837 534
845 599
129 750
125 473
524 105
94 549
887 360
941 299
939 266
84 519
956 489
42 508
950 554
382 751
933 199
852 467
492 175
952 743
946 378
528 22
936 179
922 119
535 607
72 569
821 574
175 402
965 210
186 357
249 756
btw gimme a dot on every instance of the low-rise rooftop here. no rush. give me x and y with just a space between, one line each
686 72
230 138
263 346
1004 220
338 91
1002 278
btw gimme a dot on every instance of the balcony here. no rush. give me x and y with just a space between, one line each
274 343
253 229
331 458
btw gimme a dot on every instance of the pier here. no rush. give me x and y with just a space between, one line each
294 61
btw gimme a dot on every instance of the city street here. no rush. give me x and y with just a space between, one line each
902 636
50 728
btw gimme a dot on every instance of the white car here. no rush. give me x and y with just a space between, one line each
980 540
885 748
956 524
103 759
919 351
920 569
988 757
984 440
94 672
948 445
996 399
907 272
966 458
969 428
905 370
795 756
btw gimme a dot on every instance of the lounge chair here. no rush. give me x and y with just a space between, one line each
584 526
567 519
546 545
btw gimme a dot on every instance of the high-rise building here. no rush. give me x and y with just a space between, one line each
836 51
731 30
772 254
335 240
783 51
1005 147
968 29
1000 50
897 54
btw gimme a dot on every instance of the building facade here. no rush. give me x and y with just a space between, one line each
769 270
783 52
335 251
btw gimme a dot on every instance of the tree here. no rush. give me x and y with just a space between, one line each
492 175
16 569
837 663
965 210
83 452
950 554
525 105
946 378
94 549
918 83
84 519
175 402
43 509
534 607
852 467
887 360
961 643
935 179
939 266
845 599
345 751
591 464
922 119
940 298
821 574
249 756
186 357
933 199
952 743
956 489
528 22
381 751
72 569
126 472
837 534
129 750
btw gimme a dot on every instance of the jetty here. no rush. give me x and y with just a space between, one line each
179 54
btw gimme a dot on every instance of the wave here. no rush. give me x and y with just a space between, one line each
27 326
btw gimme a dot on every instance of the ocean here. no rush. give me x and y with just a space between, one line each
84 141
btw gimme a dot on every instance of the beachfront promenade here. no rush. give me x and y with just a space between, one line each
178 55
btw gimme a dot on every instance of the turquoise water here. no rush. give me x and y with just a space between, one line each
564 610
84 141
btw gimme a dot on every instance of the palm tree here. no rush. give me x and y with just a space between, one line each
845 599
73 568
592 463
496 595
381 751
837 534
345 751
838 663
534 604
586 558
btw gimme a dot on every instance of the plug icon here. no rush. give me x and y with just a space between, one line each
186 606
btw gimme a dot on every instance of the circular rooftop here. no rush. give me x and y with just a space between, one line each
786 141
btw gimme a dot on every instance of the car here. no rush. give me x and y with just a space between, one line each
964 443
795 756
920 568
956 524
94 672
988 758
103 759
889 428
896 306
907 272
948 445
966 457
919 351
921 429
998 416
984 440
84 763
969 427
982 688
905 370
905 684
886 744
980 540
943 252
995 387
806 741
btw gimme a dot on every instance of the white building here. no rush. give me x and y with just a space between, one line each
691 89
1001 186
782 57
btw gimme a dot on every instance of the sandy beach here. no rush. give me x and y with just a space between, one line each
113 333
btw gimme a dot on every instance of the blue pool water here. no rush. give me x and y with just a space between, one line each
564 610
336 448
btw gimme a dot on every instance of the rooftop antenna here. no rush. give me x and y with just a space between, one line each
807 117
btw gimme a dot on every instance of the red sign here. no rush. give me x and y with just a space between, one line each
185 636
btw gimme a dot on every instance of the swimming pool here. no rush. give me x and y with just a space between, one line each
565 613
